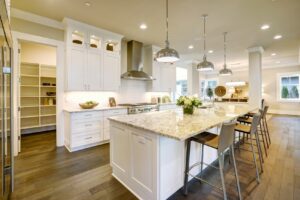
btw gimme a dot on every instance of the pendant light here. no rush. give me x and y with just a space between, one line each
205 65
167 55
225 71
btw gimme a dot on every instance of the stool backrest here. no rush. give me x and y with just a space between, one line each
262 104
265 111
226 136
255 123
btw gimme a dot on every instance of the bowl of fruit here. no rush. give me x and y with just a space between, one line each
88 104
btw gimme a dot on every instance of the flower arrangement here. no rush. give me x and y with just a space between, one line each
188 104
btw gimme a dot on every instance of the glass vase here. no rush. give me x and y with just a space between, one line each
188 110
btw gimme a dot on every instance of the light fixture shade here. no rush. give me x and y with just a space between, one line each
167 55
205 65
225 72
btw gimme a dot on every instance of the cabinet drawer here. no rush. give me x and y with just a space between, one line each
92 115
115 112
85 140
78 127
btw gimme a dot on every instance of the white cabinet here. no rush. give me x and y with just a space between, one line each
76 69
164 73
88 128
167 78
111 71
92 58
94 70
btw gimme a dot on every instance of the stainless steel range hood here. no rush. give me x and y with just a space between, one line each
135 63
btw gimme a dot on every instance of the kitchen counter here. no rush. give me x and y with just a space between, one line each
98 108
174 124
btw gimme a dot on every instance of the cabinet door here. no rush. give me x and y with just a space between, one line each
156 87
94 70
168 78
76 69
111 72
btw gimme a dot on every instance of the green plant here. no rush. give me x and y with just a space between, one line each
188 103
284 92
209 92
295 92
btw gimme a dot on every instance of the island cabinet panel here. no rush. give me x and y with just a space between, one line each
150 165
134 160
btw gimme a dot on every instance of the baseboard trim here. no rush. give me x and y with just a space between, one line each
284 112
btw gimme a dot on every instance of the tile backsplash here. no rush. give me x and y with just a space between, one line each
131 91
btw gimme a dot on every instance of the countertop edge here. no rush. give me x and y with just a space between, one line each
74 110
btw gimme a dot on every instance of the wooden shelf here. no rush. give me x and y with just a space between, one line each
33 114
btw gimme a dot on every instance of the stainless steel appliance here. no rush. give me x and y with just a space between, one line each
6 120
140 107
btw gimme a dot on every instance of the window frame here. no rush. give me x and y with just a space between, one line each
205 97
279 87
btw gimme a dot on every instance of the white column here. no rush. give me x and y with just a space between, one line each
193 81
255 75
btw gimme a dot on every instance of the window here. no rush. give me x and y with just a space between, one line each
181 82
289 85
204 84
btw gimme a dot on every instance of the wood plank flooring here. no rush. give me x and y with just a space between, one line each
45 172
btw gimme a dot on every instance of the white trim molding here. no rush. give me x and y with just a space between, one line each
259 49
60 65
20 14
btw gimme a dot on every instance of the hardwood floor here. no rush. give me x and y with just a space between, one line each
45 172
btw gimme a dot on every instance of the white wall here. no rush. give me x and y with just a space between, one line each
38 53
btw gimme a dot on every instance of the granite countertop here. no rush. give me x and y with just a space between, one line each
174 124
98 108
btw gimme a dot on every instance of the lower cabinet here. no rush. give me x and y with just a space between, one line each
88 128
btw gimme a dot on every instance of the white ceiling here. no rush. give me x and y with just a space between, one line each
240 18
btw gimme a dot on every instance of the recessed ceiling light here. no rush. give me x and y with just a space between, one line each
278 62
277 37
210 51
191 46
143 26
273 54
265 27
88 4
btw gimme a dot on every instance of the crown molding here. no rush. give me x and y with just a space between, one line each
256 49
20 14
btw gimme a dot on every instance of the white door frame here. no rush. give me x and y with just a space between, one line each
60 65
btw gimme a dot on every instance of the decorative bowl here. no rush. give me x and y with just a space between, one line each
88 105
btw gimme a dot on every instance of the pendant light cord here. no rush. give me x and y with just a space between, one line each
225 33
167 23
204 33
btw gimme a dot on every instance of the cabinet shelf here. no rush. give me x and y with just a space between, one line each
29 86
48 115
30 116
28 75
30 106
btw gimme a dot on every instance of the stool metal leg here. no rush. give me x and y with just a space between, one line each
187 163
267 128
254 158
236 173
262 131
202 157
259 151
220 157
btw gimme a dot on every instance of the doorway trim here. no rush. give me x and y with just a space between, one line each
60 56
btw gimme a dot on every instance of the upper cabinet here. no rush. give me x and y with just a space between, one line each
92 58
163 73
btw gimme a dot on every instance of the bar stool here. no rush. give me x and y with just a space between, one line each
252 132
264 130
221 143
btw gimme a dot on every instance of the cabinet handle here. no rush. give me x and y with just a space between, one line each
141 140
87 138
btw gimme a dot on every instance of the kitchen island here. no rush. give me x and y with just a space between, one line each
148 150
